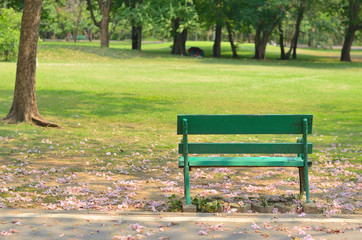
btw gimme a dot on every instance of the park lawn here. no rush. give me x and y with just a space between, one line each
118 108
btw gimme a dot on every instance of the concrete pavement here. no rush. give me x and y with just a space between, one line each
41 224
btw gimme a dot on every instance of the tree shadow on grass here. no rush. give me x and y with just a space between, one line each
115 53
68 103
304 60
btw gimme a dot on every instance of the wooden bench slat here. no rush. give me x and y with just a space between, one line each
247 148
243 162
244 124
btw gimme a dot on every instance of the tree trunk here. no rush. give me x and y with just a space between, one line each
105 8
179 40
294 42
217 42
136 37
231 40
79 16
208 34
104 31
24 107
346 49
354 24
281 42
90 35
260 43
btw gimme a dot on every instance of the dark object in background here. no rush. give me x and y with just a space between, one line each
196 52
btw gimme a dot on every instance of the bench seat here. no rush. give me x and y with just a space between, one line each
244 162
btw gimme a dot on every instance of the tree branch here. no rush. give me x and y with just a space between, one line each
98 24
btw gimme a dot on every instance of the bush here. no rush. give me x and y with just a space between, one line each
10 23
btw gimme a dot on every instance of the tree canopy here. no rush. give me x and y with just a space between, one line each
316 23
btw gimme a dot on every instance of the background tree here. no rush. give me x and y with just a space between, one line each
17 5
137 12
105 9
296 15
10 22
212 15
76 10
176 17
24 107
219 17
232 10
49 25
323 27
264 16
353 13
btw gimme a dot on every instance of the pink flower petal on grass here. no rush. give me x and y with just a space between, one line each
255 226
308 237
303 214
137 227
129 237
203 232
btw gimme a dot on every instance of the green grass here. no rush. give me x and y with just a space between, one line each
125 103
119 94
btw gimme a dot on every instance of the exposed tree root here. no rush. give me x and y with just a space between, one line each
43 123
37 121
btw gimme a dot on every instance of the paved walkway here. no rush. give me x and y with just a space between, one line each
39 224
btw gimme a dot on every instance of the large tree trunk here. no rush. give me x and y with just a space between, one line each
136 37
179 40
217 42
231 39
24 107
105 8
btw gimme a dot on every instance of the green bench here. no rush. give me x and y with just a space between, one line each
245 124
81 37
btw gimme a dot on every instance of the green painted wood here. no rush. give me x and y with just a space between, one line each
186 162
230 148
244 124
243 162
305 158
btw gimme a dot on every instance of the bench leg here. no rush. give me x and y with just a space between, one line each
301 180
187 184
306 184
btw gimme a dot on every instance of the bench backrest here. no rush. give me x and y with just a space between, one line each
244 124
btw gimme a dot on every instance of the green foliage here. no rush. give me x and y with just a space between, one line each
49 19
264 14
17 5
206 205
175 205
266 201
10 23
137 12
165 12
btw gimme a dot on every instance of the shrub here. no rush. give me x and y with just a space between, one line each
10 23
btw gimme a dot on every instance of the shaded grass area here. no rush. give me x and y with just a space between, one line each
118 107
